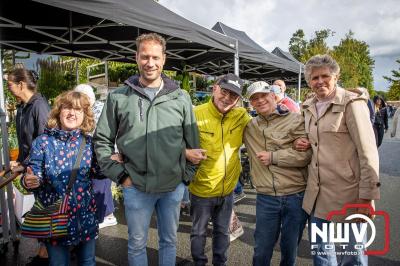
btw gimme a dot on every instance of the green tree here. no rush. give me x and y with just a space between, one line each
383 94
55 76
352 55
119 72
297 44
302 49
356 63
394 90
317 45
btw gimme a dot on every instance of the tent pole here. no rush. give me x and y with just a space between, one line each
106 73
77 70
5 206
236 60
299 86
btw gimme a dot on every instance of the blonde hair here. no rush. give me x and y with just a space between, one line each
72 99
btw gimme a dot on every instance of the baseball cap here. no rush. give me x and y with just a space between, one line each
258 86
231 82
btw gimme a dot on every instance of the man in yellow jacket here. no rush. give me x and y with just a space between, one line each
221 125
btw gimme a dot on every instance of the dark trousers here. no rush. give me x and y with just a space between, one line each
103 197
379 131
219 209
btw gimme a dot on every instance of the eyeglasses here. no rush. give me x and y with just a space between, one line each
78 111
229 93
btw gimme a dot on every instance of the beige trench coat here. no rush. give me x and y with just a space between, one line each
345 163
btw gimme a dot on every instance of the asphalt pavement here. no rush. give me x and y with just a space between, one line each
111 246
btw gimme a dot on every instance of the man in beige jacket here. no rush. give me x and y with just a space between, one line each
345 166
278 173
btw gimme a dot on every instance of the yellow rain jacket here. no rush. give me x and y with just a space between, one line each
221 135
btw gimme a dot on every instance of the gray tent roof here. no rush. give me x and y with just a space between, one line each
107 30
286 55
255 61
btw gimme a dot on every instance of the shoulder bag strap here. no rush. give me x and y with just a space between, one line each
75 169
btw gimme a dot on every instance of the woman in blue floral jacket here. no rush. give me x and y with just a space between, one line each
52 158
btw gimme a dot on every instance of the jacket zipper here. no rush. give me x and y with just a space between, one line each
265 146
140 104
223 147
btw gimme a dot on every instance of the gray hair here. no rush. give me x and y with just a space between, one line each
318 61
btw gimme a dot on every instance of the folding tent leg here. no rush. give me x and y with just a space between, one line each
5 206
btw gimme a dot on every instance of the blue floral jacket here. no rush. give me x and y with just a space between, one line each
52 158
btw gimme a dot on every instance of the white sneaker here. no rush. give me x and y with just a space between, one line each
109 220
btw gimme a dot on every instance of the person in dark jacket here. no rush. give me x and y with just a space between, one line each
32 112
151 120
31 119
381 119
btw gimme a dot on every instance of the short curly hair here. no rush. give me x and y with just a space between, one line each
72 99
318 61
146 37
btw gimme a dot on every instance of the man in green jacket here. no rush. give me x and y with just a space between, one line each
152 122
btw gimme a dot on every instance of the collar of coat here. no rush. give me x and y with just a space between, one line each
35 97
63 134
280 110
339 102
169 85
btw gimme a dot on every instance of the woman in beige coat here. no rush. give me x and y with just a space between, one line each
344 167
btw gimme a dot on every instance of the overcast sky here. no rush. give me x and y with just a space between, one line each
271 23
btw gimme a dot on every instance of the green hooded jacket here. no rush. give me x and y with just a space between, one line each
151 135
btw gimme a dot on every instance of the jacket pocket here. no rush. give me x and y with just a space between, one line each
278 139
234 129
207 140
346 173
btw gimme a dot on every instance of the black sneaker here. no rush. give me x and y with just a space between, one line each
238 197
38 261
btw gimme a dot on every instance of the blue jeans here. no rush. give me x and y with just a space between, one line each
60 255
219 209
277 215
186 196
238 188
139 207
326 256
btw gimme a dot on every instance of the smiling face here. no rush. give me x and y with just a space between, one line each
71 118
223 99
264 103
150 60
322 82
